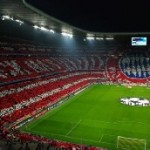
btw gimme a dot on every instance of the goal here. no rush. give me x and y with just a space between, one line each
125 143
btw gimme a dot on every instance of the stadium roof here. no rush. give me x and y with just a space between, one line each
20 9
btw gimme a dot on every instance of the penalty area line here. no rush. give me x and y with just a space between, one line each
77 138
101 138
73 127
71 137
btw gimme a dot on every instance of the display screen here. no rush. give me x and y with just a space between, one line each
139 41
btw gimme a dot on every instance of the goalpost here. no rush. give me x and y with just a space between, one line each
125 143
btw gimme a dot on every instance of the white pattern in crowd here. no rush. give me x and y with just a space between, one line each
50 64
86 63
30 86
37 98
37 65
15 69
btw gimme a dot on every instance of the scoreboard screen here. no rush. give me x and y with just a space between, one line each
139 41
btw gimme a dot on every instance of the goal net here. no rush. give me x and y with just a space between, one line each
124 143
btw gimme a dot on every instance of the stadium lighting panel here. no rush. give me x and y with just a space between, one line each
67 34
90 38
43 28
19 21
36 27
99 38
6 17
52 31
109 38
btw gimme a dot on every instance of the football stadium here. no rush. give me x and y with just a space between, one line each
66 88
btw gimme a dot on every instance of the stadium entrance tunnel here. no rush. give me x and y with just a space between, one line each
135 101
135 65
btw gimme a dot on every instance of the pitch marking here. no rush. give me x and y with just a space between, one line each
74 127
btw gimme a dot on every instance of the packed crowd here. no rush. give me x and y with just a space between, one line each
31 82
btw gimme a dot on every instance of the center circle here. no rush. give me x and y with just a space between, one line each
135 101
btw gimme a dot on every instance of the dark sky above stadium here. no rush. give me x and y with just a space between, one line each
101 16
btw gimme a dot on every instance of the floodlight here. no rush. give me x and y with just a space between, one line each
90 38
99 38
109 38
19 21
36 27
7 17
43 28
67 34
52 31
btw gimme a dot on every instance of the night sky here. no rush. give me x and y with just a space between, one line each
100 16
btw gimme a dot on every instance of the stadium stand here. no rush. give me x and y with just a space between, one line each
130 67
30 83
56 62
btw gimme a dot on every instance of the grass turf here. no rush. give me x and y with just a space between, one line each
96 117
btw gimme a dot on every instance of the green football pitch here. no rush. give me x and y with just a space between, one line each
96 117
